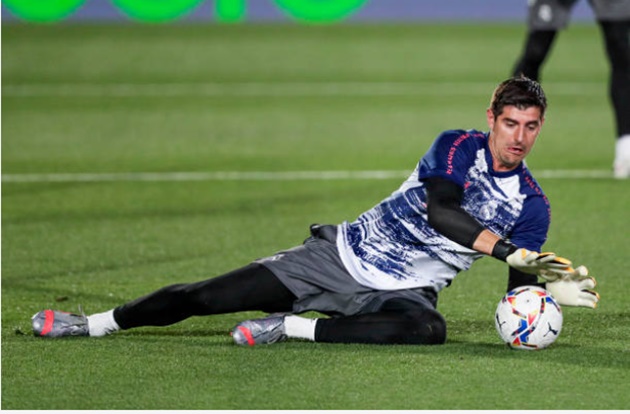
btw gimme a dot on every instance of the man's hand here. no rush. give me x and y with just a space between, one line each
574 292
542 264
551 275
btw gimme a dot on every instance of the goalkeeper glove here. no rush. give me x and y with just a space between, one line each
551 275
535 263
574 292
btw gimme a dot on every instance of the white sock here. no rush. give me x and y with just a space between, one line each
101 324
298 327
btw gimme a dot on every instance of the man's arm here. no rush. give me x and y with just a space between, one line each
570 286
446 215
487 241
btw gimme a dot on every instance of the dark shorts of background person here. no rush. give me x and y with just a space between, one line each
547 17
556 14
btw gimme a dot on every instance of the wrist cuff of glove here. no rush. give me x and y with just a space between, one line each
503 249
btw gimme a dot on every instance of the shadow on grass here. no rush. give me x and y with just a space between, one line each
457 349
210 333
243 205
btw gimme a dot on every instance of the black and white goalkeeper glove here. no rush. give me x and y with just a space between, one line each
570 273
574 292
546 265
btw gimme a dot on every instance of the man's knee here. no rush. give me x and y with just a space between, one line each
422 324
424 327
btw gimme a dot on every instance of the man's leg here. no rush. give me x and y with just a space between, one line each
536 50
544 19
253 287
616 38
398 321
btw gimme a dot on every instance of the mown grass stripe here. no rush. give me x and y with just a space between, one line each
270 89
260 176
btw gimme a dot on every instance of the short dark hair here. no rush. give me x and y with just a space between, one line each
518 91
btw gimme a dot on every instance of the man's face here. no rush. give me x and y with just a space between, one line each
512 135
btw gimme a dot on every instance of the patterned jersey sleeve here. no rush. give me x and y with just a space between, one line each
530 231
451 155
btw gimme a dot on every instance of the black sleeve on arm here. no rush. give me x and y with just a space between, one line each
445 214
518 278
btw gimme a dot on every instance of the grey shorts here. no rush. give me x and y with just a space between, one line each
315 273
555 14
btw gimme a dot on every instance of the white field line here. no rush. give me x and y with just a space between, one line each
260 176
279 89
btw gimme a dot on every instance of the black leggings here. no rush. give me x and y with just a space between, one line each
256 288
617 41
251 288
537 47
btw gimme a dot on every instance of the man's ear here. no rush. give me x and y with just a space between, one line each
490 118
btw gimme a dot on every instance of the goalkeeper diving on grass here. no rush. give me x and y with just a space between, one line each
376 279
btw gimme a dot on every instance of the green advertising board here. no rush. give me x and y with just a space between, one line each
314 11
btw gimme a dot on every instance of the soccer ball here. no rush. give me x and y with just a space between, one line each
528 317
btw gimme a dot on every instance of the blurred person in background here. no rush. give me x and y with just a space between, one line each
547 17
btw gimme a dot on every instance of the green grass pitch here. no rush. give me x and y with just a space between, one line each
257 98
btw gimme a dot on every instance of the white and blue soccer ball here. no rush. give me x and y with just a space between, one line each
528 317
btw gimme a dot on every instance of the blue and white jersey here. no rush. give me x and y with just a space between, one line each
392 246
